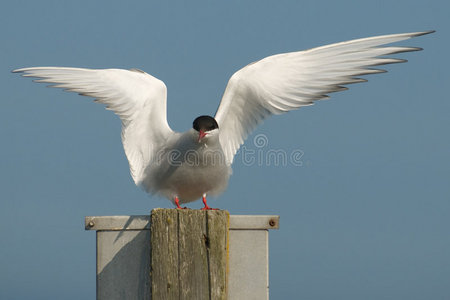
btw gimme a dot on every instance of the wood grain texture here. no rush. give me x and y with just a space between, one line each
164 270
188 254
217 226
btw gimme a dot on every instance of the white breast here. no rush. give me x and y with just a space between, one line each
188 169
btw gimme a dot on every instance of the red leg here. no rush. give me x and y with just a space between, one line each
206 205
177 203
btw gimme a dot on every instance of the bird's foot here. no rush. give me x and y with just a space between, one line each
206 205
177 203
209 208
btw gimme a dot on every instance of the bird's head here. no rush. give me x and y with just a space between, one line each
205 126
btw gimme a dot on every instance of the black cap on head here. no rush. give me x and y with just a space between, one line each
205 123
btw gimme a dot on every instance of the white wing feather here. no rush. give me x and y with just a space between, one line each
138 98
284 82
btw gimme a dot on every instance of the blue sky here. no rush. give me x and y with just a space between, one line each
365 215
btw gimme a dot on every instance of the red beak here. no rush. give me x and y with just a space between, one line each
201 135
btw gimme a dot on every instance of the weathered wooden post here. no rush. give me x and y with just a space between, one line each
188 254
182 254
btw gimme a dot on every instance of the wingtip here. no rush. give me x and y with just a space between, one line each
424 32
30 69
22 70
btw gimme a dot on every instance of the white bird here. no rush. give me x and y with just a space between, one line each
186 166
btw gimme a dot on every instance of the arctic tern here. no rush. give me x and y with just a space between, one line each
184 167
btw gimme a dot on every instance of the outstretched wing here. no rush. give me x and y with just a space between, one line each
284 82
138 98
